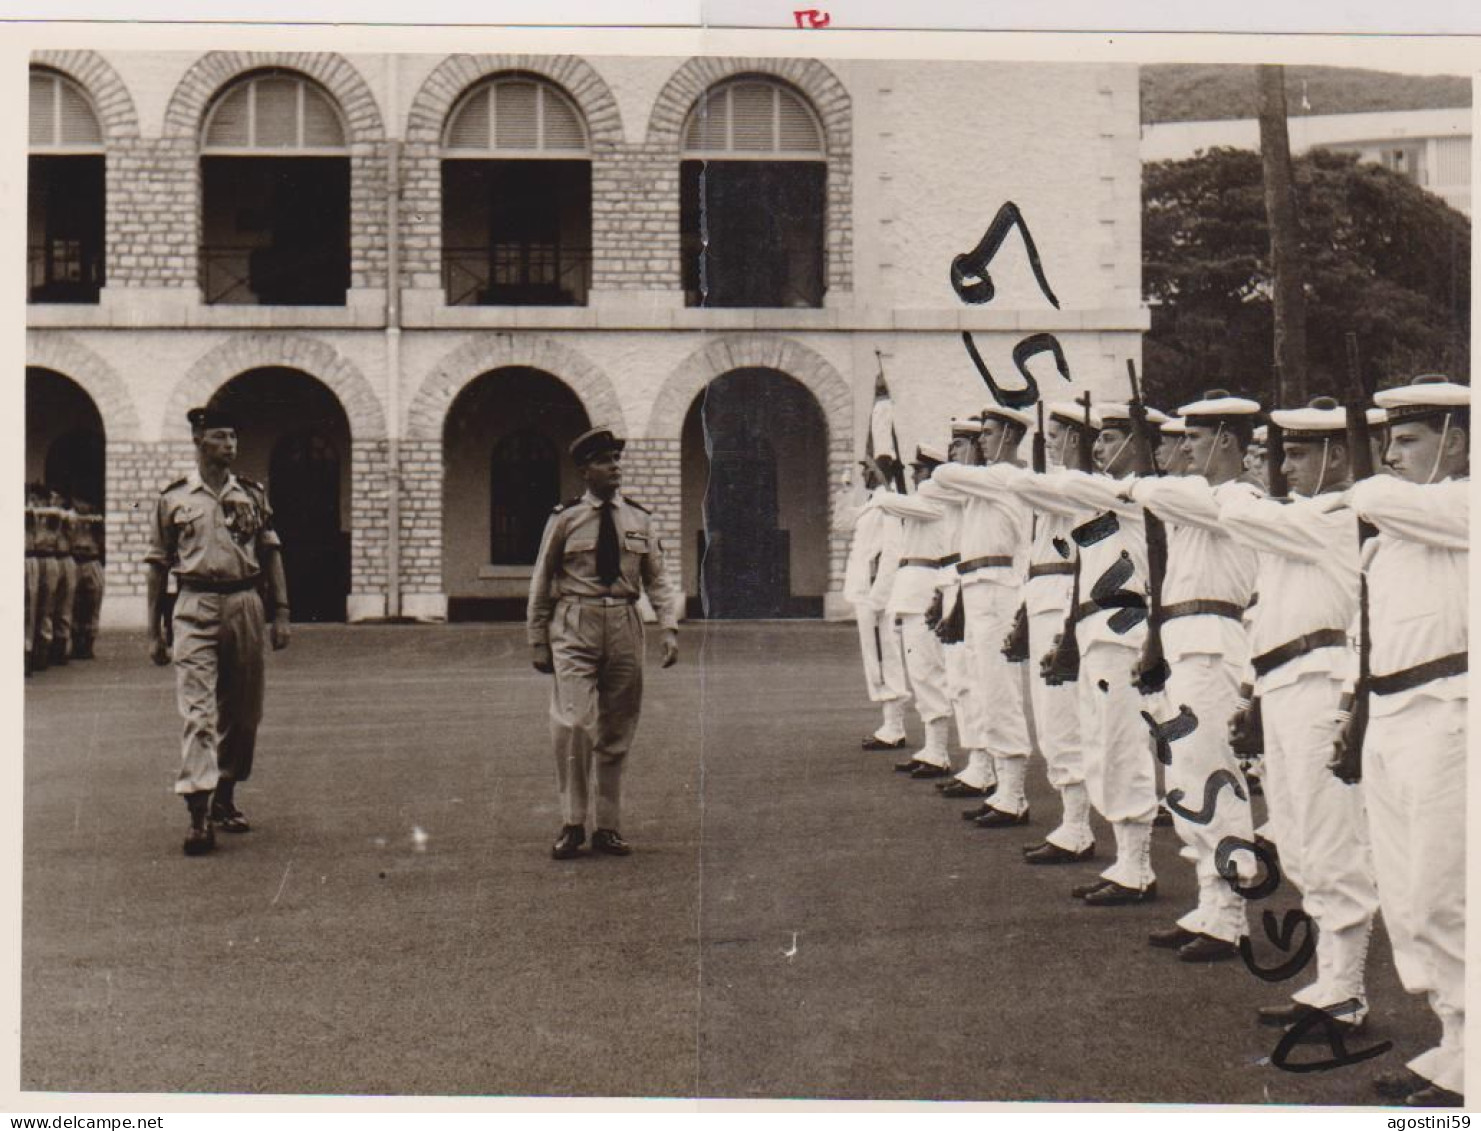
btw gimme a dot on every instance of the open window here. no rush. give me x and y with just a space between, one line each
275 195
752 206
516 197
65 200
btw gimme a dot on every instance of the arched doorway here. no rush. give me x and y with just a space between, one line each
504 468
755 499
293 437
65 438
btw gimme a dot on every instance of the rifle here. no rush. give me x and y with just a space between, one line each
1152 670
1015 644
1347 761
1275 458
881 415
1062 665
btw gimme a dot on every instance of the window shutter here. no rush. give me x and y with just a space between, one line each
797 132
321 127
43 109
754 126
710 126
276 126
515 122
562 126
79 127
470 129
229 122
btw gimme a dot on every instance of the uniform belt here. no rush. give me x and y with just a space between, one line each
972 565
85 557
926 563
1307 642
207 585
1407 678
602 602
1047 569
1202 608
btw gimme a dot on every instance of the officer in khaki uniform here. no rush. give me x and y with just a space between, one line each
214 531
49 572
33 572
598 554
87 597
63 595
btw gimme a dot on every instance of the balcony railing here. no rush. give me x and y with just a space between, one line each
799 284
274 276
516 274
63 271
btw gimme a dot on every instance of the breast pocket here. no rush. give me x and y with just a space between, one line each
636 542
575 547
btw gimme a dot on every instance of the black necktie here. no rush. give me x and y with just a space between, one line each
609 561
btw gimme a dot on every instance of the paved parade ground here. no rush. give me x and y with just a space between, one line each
797 922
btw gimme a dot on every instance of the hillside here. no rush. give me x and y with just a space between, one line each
1177 92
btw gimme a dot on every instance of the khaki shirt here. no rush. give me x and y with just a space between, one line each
207 537
64 532
48 519
567 565
87 536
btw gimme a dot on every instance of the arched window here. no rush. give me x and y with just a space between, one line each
524 486
516 197
65 199
275 194
753 189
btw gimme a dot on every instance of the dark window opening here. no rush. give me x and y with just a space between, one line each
276 230
524 487
64 220
516 232
751 233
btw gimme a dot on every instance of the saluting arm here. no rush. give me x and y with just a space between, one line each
1045 493
1437 514
1187 500
979 482
1294 530
910 506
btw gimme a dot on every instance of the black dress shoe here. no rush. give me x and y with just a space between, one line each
1082 891
229 819
997 819
1206 948
1113 894
1172 938
610 841
1048 853
199 840
875 743
976 811
1399 1084
958 789
1434 1096
909 766
925 771
569 843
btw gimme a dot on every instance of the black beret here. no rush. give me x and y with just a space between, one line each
202 419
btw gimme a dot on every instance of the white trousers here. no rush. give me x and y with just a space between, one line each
1319 825
1004 735
1118 758
926 664
1209 686
1056 718
884 658
1414 783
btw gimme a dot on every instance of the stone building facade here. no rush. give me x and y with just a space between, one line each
407 421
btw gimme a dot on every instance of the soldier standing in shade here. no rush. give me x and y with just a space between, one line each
66 585
87 599
48 577
598 554
33 573
214 531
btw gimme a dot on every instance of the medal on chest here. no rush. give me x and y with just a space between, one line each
241 520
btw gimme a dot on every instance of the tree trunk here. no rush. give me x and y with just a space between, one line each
1285 241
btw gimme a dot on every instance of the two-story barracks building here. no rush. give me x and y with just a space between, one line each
416 278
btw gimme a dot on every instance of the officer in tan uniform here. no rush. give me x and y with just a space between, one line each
214 531
598 554
62 597
87 597
48 522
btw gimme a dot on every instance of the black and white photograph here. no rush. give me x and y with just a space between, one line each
559 567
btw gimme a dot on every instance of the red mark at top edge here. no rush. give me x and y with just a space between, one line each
811 18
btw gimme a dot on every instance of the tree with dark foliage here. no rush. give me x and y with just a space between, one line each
1383 258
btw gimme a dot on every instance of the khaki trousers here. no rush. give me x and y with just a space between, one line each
33 585
87 606
595 701
220 663
61 617
49 573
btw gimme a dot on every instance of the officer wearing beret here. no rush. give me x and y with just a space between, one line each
598 553
214 531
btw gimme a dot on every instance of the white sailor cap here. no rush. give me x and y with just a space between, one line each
1174 426
1218 405
1322 418
1157 416
928 455
1261 435
965 426
1430 395
1002 412
1377 417
1071 413
1118 415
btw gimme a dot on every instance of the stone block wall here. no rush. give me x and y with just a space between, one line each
135 474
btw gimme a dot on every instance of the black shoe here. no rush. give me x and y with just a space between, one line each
569 843
997 819
1172 938
1434 1096
1048 853
924 772
1113 894
610 841
1399 1084
199 840
955 790
876 743
1082 891
976 811
229 819
1206 948
908 766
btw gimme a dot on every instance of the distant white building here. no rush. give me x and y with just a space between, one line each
1430 147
